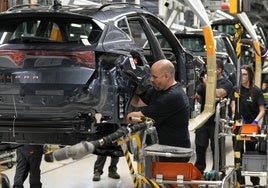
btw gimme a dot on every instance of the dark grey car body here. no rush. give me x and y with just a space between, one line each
194 41
60 66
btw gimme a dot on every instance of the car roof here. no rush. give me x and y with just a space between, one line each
99 12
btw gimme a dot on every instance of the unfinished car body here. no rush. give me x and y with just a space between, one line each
65 70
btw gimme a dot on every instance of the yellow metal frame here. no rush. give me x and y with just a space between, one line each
209 108
138 178
233 7
258 66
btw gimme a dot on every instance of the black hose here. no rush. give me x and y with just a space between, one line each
84 148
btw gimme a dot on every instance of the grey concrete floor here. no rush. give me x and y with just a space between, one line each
78 173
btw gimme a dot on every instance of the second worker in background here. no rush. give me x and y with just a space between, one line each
206 133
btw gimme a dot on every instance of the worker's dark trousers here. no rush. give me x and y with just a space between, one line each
28 161
100 162
203 135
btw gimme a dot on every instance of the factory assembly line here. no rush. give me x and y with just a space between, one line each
142 160
219 177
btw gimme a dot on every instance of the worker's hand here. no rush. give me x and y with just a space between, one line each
134 117
254 122
243 120
197 97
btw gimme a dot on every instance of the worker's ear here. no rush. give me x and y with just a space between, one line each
166 75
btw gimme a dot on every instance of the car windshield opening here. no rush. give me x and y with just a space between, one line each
48 30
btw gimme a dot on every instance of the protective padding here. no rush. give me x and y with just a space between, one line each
170 170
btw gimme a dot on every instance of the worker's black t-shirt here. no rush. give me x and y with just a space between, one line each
170 111
222 83
249 103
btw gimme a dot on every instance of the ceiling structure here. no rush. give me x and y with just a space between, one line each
258 8
164 8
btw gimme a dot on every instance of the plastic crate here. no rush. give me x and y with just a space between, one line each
250 129
254 162
170 170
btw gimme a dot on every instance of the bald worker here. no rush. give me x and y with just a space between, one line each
166 103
